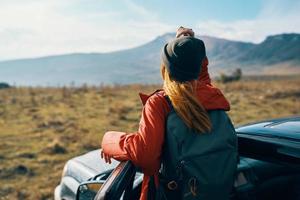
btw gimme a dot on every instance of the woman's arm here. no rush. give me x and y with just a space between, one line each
143 148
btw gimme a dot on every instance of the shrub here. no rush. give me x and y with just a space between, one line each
235 76
4 85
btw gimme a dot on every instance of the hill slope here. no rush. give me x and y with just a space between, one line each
141 64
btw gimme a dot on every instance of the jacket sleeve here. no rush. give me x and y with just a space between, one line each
143 148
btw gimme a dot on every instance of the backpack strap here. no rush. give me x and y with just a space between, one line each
151 189
169 101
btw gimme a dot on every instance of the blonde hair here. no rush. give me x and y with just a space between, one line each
185 102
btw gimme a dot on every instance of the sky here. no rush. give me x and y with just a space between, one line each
34 28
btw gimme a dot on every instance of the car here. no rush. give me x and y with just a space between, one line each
268 168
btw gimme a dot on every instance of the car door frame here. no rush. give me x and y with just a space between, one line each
119 181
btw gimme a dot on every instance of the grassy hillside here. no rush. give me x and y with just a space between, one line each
41 128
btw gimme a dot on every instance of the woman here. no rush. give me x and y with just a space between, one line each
184 127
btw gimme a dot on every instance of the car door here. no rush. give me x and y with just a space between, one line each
119 183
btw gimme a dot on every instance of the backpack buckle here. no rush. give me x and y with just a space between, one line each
172 185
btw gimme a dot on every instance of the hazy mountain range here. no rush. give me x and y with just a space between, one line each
278 54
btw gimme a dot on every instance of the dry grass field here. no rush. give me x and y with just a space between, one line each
41 128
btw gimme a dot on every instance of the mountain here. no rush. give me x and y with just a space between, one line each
278 53
274 49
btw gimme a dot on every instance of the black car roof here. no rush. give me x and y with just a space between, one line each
283 127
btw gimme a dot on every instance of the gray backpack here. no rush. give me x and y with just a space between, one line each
198 166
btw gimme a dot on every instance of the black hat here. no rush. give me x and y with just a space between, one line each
183 58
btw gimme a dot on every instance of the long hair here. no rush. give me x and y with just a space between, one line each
185 102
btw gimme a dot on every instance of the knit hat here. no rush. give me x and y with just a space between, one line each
183 58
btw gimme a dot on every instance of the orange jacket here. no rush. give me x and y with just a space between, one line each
144 147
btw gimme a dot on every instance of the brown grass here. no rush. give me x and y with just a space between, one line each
41 128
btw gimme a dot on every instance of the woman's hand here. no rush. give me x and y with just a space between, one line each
181 31
107 158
